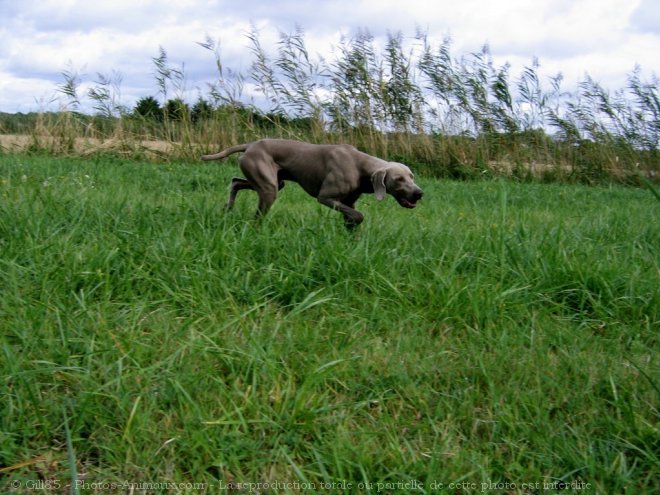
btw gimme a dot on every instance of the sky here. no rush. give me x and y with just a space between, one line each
41 39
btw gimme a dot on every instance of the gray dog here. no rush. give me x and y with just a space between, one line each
335 174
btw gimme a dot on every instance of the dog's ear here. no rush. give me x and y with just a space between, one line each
378 181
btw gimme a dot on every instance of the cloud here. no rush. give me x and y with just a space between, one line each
646 17
25 94
62 16
41 37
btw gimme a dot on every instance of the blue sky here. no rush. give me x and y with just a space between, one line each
39 39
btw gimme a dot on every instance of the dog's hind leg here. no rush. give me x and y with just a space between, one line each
237 183
261 172
267 196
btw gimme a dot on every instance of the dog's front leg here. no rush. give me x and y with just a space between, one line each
352 217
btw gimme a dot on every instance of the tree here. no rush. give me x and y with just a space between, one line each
176 110
201 110
148 108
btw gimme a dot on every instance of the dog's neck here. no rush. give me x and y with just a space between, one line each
371 164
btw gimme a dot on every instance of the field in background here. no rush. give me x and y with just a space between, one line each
410 100
501 333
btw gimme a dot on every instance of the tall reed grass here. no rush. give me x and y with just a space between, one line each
449 116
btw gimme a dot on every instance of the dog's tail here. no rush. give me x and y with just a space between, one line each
227 152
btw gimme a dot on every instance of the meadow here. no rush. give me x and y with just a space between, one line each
500 338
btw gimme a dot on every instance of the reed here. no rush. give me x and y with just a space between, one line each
452 116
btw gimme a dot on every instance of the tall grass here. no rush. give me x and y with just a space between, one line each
458 116
502 333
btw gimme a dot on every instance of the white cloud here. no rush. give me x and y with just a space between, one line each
605 38
646 17
26 94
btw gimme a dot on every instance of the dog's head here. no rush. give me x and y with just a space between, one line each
397 179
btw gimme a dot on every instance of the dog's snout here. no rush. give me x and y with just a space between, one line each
417 195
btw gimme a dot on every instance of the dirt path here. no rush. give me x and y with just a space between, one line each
84 146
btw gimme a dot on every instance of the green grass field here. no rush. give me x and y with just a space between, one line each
500 338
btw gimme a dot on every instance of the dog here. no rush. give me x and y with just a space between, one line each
335 174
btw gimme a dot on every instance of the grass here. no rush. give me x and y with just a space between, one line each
501 334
